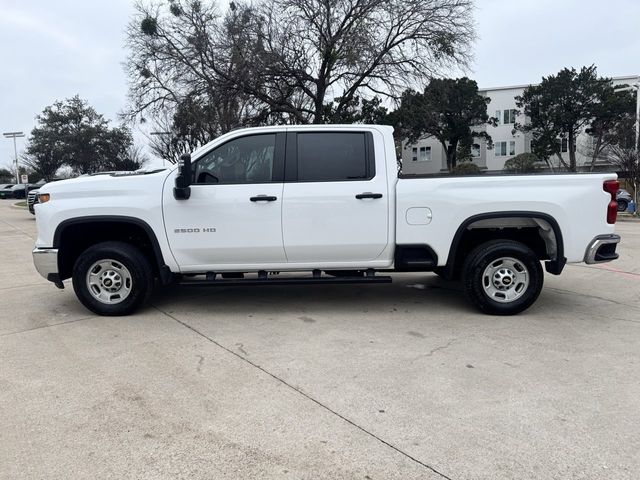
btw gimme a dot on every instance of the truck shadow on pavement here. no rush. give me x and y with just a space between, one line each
405 293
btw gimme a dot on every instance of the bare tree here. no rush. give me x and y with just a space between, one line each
284 61
627 160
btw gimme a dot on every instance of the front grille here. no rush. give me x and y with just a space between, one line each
32 198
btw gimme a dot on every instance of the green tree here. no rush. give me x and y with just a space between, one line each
451 110
561 107
72 133
613 122
6 176
521 163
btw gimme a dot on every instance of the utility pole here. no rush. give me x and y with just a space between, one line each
15 135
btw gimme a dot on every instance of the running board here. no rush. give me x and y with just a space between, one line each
285 281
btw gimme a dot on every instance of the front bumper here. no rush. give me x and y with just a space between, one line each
602 249
46 263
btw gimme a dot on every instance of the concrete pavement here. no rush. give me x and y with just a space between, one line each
369 381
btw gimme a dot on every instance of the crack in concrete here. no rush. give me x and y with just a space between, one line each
39 284
441 347
616 302
17 228
306 395
200 363
45 326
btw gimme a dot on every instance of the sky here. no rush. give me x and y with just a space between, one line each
52 50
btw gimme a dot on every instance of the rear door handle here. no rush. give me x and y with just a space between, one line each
360 196
263 198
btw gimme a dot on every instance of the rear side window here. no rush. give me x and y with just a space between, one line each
334 156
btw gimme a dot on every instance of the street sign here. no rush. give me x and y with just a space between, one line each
24 178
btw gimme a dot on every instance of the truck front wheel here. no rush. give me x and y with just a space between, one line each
112 278
502 277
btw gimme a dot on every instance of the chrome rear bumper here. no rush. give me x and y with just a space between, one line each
602 249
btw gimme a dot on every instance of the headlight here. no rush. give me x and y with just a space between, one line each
44 197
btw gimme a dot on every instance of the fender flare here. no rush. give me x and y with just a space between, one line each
163 269
553 266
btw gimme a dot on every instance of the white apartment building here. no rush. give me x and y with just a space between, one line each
428 155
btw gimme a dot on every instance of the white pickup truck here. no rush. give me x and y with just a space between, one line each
316 204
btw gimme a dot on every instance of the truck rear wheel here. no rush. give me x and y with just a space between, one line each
112 278
502 277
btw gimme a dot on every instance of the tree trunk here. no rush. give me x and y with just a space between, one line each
596 152
318 104
572 152
451 155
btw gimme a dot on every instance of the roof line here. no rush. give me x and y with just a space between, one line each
509 87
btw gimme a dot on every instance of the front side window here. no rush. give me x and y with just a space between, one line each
512 147
414 154
242 160
333 156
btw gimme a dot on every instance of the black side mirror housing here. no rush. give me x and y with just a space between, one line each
182 191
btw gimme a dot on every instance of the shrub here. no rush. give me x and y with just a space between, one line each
466 168
522 163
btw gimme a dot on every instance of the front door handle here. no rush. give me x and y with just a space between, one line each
263 198
360 196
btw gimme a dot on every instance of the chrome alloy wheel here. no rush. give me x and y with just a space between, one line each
109 281
505 279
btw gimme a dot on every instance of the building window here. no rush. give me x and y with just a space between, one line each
509 116
414 154
501 148
475 150
506 117
564 145
425 154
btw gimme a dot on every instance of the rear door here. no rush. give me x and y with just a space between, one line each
335 208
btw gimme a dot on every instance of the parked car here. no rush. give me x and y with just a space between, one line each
5 190
326 200
32 199
19 190
623 198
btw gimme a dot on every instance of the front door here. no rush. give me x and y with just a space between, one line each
234 215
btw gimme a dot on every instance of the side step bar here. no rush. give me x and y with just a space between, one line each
211 281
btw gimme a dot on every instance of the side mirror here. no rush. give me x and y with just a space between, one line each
182 191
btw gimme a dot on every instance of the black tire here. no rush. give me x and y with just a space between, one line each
489 254
137 271
622 205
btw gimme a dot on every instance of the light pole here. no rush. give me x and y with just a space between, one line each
15 135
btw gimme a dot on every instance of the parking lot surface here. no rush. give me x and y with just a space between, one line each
400 381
